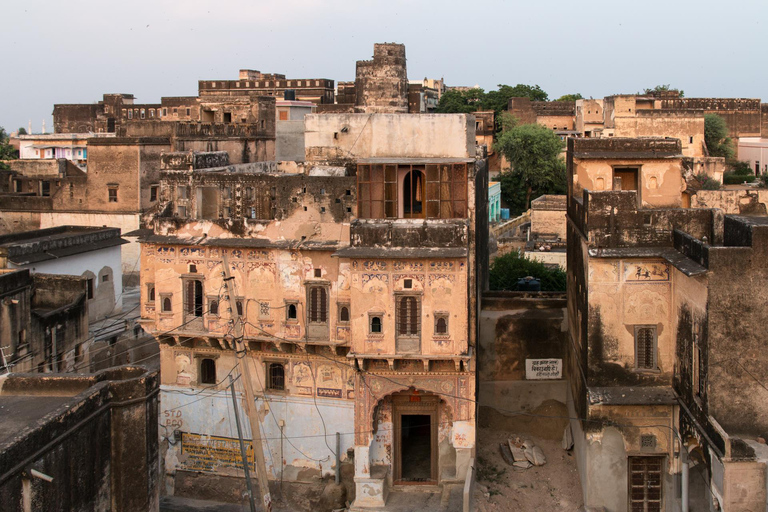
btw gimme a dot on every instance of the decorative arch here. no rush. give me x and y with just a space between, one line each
370 395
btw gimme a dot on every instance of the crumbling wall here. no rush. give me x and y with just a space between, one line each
517 327
381 84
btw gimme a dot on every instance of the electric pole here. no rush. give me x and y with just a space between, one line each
248 400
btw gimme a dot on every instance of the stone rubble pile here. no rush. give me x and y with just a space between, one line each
522 453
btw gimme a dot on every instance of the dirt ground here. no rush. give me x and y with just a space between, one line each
501 487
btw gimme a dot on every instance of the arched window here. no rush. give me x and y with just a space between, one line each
441 325
207 371
375 324
213 307
150 292
291 313
413 194
167 304
344 314
276 376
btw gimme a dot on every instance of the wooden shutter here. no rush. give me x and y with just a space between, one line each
190 298
645 342
414 316
403 323
318 307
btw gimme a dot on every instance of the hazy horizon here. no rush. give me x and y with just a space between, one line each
59 52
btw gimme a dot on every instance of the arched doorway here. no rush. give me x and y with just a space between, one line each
412 194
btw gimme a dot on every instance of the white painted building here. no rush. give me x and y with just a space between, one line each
755 151
94 253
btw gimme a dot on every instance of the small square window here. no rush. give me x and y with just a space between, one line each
192 268
318 272
105 278
408 283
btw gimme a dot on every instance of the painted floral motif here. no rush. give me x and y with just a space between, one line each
237 254
384 278
441 266
375 266
413 266
434 277
258 255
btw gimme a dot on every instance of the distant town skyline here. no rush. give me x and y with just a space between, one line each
73 53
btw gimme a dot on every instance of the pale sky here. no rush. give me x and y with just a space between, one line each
74 51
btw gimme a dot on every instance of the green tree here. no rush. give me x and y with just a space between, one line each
460 102
7 152
534 152
570 97
716 136
506 270
663 88
22 131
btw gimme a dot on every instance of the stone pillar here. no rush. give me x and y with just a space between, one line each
370 486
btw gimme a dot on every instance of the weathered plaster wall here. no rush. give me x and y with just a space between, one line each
735 202
660 182
623 294
343 136
515 327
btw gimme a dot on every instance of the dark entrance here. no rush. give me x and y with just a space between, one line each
416 447
415 441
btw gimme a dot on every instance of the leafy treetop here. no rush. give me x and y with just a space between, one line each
570 97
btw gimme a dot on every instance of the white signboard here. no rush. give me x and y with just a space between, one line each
538 369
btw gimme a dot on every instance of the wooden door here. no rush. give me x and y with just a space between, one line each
645 484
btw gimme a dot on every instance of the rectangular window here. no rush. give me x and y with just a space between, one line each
645 347
412 191
318 304
130 114
153 193
645 483
89 288
112 194
182 192
142 114
193 297
151 113
45 188
181 211
408 321
17 187
165 112
188 112
276 376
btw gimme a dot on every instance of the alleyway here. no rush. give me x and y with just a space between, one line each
502 488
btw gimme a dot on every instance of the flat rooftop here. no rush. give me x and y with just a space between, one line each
53 243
